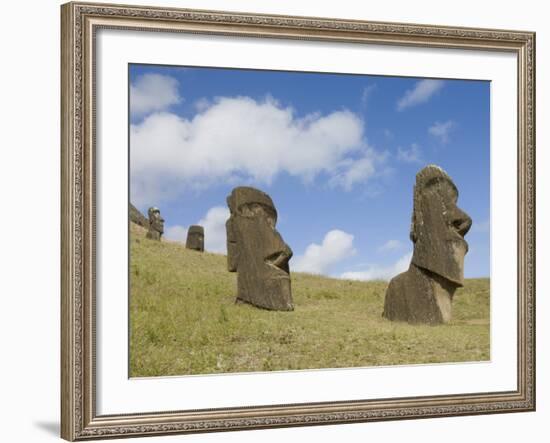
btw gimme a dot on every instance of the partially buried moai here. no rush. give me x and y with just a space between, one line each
195 238
257 252
156 224
424 293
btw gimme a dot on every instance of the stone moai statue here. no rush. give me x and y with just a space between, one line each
195 238
156 224
424 293
257 252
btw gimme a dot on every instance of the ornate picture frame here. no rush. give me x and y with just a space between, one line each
80 24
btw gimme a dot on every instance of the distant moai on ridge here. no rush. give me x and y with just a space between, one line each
156 224
257 252
424 293
195 238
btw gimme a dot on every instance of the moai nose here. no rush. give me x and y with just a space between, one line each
461 221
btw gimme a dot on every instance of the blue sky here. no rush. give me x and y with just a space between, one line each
337 153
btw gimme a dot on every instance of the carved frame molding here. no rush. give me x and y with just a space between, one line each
80 21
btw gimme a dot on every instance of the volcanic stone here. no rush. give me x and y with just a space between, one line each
195 238
257 252
156 224
137 217
424 293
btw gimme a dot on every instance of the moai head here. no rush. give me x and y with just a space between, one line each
156 224
438 225
195 238
257 251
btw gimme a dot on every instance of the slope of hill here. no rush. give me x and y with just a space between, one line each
137 217
183 320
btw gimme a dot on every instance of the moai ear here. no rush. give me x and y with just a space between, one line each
413 234
232 246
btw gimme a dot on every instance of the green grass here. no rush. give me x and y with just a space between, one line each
183 320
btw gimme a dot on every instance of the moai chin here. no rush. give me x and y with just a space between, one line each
257 252
156 224
424 293
195 238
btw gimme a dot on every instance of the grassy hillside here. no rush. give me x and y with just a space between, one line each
183 320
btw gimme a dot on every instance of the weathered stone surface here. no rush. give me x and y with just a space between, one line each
257 252
156 224
195 238
137 217
419 296
424 293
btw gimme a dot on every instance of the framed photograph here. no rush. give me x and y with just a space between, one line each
277 221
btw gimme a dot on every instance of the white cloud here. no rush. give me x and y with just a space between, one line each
390 245
442 130
214 229
355 171
367 91
245 139
376 272
153 92
412 155
318 259
202 104
176 233
421 93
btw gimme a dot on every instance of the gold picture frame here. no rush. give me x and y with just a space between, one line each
80 21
